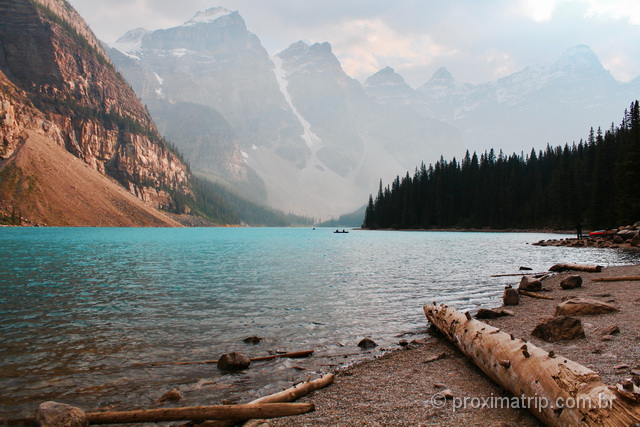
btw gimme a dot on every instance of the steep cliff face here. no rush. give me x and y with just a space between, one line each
57 81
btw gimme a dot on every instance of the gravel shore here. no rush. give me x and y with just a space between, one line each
399 388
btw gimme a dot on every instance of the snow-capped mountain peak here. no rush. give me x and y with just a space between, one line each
208 15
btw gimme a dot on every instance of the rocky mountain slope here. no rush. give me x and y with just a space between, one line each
295 129
58 89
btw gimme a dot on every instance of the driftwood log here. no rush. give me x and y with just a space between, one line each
617 279
194 413
289 395
200 413
577 267
533 294
294 355
559 392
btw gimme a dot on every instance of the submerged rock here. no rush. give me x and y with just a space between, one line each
233 362
253 340
54 414
367 343
173 395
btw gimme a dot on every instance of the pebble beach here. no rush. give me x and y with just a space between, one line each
405 386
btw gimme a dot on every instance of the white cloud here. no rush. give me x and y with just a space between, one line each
539 10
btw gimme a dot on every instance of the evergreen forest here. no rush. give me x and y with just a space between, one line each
595 183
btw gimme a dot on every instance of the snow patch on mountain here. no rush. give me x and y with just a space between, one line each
208 15
308 136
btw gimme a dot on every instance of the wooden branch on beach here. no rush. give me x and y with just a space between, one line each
200 413
288 395
617 279
533 294
518 274
577 267
193 413
558 391
294 355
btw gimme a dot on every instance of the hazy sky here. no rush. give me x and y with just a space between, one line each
477 41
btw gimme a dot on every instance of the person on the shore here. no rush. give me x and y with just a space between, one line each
579 230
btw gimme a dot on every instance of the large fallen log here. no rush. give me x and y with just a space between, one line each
577 267
289 395
558 391
201 413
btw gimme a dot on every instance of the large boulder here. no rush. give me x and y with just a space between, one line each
635 240
510 296
558 328
571 282
530 283
233 362
583 307
54 414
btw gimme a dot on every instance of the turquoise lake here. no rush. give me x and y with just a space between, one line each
84 311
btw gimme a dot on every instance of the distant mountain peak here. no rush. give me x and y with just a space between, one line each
385 76
209 15
133 36
578 59
442 75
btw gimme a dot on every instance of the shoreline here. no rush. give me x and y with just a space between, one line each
398 387
475 230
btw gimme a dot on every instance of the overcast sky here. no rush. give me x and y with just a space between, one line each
478 41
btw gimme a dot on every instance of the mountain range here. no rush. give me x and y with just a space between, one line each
295 131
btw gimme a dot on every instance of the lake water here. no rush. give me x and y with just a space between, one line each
82 310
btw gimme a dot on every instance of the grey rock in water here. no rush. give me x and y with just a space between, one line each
54 414
367 343
559 328
173 395
233 362
571 282
253 340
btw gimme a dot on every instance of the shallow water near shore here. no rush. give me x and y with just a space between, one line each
83 311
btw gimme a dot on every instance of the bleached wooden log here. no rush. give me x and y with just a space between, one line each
577 267
559 392
289 395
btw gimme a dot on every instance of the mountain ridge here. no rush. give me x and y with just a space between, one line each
57 82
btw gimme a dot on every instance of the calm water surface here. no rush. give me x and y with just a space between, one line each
83 309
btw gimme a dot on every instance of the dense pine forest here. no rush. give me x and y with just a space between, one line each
595 183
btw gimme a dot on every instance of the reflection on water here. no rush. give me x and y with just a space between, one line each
82 310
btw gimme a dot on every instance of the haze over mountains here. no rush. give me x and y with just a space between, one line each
296 132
